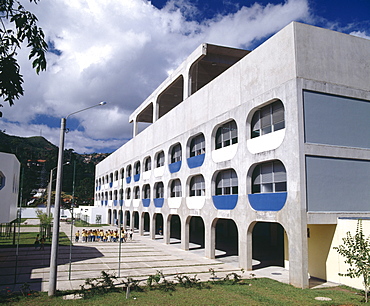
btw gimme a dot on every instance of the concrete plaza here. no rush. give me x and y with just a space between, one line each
139 259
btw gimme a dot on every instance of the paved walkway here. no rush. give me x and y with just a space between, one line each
139 259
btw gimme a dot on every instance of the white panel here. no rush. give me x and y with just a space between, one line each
158 172
225 153
266 142
195 202
174 202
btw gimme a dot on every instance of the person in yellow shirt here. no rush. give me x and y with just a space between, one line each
77 236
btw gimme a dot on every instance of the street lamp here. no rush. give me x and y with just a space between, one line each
48 206
55 239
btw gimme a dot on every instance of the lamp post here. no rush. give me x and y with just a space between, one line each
72 205
55 239
48 206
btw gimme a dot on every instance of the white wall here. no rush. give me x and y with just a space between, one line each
10 169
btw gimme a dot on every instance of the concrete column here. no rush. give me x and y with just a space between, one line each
186 90
185 234
248 264
155 111
167 229
243 248
132 220
210 240
152 227
135 128
141 224
124 219
298 258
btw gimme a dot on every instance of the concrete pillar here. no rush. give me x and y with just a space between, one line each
132 220
185 234
141 224
248 264
152 227
210 240
135 130
298 257
186 90
167 229
155 111
243 248
124 219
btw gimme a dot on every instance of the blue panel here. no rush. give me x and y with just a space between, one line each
196 161
115 202
102 203
136 177
105 203
225 201
146 202
158 202
174 167
128 179
120 202
268 201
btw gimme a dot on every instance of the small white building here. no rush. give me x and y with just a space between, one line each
9 187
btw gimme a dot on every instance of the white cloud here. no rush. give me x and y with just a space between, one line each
361 34
119 51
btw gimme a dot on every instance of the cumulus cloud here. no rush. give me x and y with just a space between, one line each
361 34
119 52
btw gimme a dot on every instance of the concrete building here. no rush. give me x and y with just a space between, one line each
9 187
263 154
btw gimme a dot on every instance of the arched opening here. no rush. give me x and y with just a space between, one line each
171 96
226 238
128 218
135 218
158 219
267 245
196 233
146 225
120 218
109 216
115 220
175 229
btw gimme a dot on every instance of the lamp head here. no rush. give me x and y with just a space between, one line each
102 103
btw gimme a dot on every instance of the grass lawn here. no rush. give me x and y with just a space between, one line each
28 239
248 292
81 223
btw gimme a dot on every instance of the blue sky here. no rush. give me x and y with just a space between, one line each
120 51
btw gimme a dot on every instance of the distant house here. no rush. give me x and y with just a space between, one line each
9 187
264 155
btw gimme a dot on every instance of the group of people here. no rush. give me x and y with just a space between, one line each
99 235
39 243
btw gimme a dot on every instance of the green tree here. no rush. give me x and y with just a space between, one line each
356 250
45 222
85 192
17 26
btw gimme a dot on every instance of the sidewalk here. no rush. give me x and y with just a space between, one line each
139 259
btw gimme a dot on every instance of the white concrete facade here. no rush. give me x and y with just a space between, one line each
9 187
242 146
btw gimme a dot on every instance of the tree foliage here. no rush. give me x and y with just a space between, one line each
356 250
18 26
45 220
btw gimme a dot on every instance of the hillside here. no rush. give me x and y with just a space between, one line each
38 156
